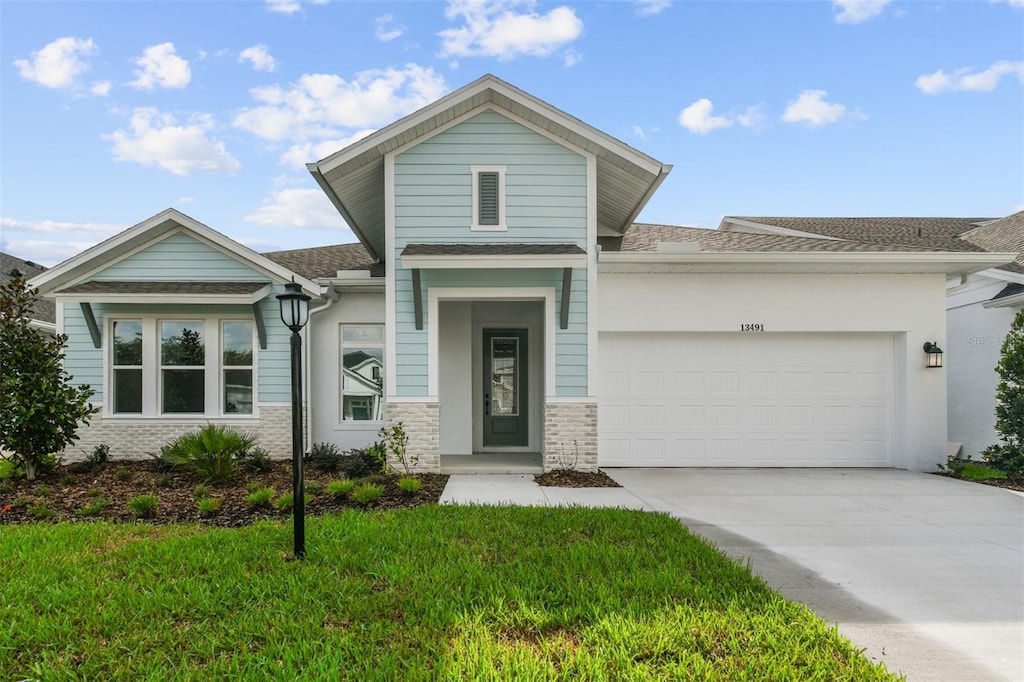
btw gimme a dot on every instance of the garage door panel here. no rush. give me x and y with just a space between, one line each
745 400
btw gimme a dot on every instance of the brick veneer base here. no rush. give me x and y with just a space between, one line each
273 433
564 424
421 422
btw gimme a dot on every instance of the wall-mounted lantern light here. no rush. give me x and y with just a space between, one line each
934 354
295 314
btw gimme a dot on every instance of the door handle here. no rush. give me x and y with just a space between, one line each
487 404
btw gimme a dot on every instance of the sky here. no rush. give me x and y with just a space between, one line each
111 112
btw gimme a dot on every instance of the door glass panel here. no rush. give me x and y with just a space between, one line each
504 376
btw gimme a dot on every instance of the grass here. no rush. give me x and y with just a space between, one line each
980 472
435 592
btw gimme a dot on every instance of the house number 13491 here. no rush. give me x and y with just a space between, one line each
757 327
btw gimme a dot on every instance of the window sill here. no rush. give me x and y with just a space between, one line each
194 420
488 228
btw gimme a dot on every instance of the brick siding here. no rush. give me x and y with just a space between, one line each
421 422
564 425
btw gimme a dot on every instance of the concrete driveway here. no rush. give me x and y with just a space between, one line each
925 573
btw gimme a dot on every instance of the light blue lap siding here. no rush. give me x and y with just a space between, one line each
85 362
179 257
545 197
570 344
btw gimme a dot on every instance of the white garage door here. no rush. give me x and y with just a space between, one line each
753 400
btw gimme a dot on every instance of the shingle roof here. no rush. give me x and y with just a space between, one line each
43 310
1005 234
325 261
169 288
646 237
934 234
477 249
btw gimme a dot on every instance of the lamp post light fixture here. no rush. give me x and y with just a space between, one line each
934 354
295 314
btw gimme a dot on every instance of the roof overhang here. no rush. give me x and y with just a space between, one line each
93 260
353 178
492 256
150 292
948 263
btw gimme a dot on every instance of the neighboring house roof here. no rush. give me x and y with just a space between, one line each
935 234
353 178
43 310
326 261
170 221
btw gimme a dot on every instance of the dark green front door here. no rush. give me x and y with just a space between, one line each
505 391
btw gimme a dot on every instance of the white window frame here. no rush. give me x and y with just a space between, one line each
111 384
251 367
152 369
358 423
184 319
502 226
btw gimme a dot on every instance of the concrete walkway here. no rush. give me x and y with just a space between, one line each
925 573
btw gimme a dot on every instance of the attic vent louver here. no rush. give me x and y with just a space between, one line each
488 198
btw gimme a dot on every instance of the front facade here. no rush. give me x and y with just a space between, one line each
503 306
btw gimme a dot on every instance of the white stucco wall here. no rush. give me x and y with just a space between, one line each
974 341
324 354
911 307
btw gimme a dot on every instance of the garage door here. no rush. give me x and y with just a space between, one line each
755 400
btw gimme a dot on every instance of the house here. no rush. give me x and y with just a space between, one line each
43 313
502 303
979 306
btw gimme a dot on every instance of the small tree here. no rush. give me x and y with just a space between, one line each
1008 455
39 408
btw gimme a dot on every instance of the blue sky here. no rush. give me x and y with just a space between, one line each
112 111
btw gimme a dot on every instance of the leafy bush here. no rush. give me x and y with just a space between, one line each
144 506
1008 456
93 508
287 501
409 484
396 444
99 456
8 469
40 409
201 491
161 464
208 506
260 497
255 460
212 452
366 493
325 457
340 488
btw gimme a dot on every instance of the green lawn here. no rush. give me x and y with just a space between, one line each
429 593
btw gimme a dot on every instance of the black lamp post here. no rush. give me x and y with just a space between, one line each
295 314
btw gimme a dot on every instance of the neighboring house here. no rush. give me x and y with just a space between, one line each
43 314
979 306
502 301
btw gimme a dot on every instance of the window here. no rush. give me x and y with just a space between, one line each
182 367
127 366
362 372
236 339
488 198
196 366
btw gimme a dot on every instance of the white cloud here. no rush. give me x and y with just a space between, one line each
497 28
1019 4
320 105
259 57
58 64
59 227
857 11
811 108
303 208
752 117
298 155
290 6
47 253
648 8
387 29
643 133
571 58
101 88
160 67
156 139
697 118
962 80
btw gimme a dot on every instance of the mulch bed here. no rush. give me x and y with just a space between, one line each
1008 483
570 478
71 487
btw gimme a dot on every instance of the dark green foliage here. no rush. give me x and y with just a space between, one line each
144 506
314 487
40 411
355 463
396 444
1008 456
409 484
99 456
123 475
366 493
324 456
41 511
256 460
201 491
93 507
212 452
161 463
163 481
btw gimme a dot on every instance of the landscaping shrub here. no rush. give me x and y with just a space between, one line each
396 444
366 493
340 488
1008 456
208 506
361 462
201 491
260 497
144 506
325 457
212 452
41 511
314 487
99 456
123 475
409 484
287 501
255 460
94 507
161 463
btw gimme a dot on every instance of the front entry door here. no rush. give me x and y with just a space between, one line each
505 406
